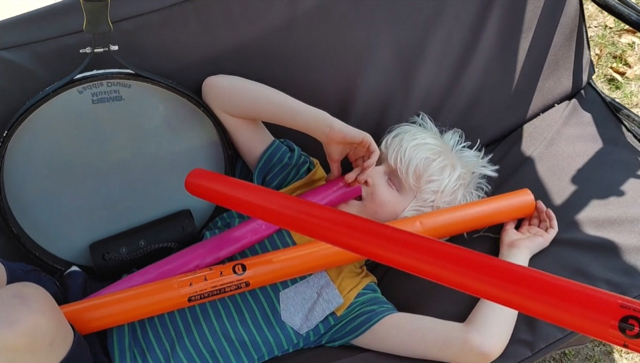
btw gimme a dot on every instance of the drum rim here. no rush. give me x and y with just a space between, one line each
18 235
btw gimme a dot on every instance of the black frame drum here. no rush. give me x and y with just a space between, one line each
104 153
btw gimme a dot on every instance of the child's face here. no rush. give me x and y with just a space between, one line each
384 196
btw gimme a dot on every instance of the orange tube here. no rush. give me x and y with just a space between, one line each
121 307
471 216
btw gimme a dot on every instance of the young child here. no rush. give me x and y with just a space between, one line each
417 169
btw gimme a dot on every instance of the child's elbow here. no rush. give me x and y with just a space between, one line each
211 85
483 349
214 88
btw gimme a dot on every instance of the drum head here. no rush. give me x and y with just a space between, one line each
101 155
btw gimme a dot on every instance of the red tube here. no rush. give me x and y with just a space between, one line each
594 312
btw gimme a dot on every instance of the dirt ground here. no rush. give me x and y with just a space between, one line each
615 51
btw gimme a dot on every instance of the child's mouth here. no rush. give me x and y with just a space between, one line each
359 198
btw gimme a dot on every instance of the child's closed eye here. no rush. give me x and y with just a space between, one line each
391 184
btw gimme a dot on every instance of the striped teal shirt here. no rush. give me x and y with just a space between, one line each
246 327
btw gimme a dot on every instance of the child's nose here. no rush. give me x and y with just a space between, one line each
369 180
366 181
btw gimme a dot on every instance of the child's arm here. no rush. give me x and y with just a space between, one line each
487 330
242 106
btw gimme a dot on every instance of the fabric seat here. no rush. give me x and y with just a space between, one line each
587 171
512 74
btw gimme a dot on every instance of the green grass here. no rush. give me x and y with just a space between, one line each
615 50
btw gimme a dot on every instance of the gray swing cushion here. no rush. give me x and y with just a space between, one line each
512 74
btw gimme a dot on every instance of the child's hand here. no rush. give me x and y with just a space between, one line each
535 233
343 140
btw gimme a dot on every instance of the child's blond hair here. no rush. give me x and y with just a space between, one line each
438 165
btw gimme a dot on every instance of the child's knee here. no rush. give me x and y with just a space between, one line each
28 293
31 324
25 306
22 272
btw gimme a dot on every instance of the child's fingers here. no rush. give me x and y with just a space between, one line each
525 222
373 156
358 163
363 174
509 225
366 156
351 178
534 220
336 171
358 169
368 162
553 221
544 220
540 207
367 167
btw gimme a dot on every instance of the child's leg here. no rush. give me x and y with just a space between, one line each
32 327
21 272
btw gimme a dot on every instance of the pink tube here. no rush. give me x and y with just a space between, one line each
227 243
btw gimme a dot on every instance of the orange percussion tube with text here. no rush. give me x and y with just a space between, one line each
136 303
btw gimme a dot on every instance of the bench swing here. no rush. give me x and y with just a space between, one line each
104 133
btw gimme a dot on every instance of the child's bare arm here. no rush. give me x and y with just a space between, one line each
242 105
487 330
